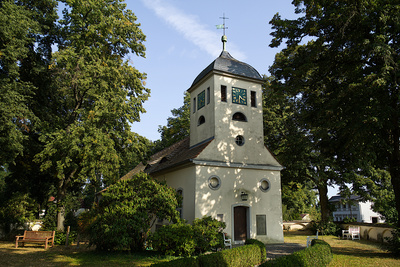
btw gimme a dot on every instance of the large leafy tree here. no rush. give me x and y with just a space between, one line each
178 126
300 148
95 93
382 195
26 34
347 78
299 198
17 31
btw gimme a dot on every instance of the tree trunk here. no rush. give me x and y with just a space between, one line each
395 178
60 207
323 201
395 173
395 158
60 218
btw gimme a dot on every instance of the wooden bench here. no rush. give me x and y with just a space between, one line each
36 237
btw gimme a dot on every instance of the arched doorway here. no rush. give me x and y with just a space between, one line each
240 223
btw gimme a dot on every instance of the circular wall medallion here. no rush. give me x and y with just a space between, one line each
264 185
214 182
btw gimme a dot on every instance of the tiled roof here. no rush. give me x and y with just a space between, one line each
339 198
226 63
170 157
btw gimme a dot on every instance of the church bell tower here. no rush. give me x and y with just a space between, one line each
226 105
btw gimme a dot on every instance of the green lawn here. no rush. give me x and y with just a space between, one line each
346 253
351 253
36 255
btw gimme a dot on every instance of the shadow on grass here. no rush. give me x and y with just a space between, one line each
360 252
361 248
36 255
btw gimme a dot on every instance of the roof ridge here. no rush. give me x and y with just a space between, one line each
226 63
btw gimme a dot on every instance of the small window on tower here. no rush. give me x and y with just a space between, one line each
201 100
253 99
239 116
179 192
223 93
201 121
194 105
208 95
239 140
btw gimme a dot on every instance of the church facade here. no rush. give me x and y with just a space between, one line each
223 169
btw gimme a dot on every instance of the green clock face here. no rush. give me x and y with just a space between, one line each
201 100
239 96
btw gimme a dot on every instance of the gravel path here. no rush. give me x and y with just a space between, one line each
278 250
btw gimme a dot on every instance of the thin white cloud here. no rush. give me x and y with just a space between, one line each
189 26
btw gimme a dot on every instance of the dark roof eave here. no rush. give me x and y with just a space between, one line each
206 76
179 165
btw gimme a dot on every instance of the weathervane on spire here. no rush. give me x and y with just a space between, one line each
222 26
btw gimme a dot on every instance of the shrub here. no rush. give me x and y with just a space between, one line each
349 220
61 237
174 239
207 233
181 239
126 211
16 211
393 244
319 254
326 228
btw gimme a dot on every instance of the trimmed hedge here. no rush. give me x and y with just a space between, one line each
261 245
248 255
319 254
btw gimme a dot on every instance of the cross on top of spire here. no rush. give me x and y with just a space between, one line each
222 26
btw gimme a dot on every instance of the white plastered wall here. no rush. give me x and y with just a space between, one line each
234 181
183 179
367 213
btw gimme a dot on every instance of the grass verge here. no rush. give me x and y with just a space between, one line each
36 255
350 252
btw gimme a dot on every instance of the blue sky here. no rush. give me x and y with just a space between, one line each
182 39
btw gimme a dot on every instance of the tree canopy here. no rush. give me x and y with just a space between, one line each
24 47
66 114
346 76
178 126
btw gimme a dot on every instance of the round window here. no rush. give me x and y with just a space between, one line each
264 185
214 182
239 140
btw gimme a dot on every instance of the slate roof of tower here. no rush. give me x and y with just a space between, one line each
170 157
226 63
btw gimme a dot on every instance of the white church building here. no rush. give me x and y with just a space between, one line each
223 169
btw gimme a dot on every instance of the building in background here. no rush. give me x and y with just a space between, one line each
354 207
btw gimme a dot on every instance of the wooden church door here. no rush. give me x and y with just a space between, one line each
240 223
